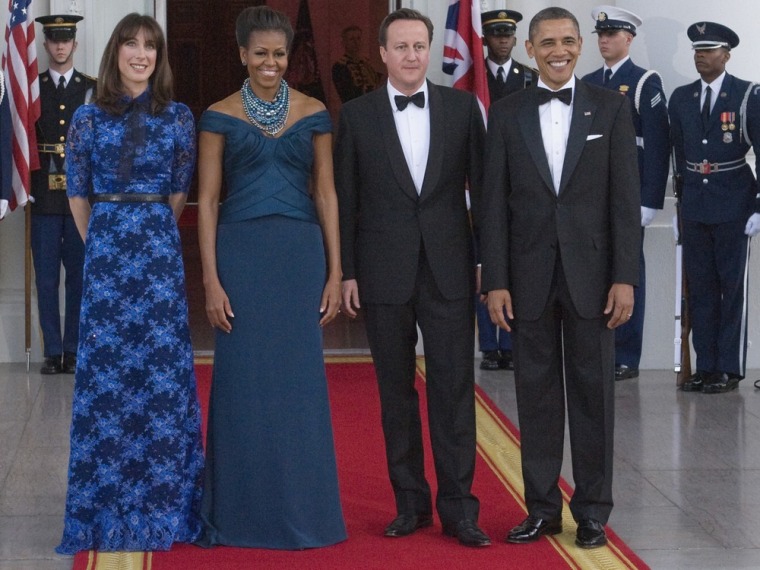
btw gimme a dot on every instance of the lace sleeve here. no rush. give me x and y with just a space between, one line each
184 149
79 146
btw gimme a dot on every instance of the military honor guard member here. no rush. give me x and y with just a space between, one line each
352 74
616 29
55 238
714 123
505 76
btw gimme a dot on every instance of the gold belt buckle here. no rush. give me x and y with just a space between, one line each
57 182
60 148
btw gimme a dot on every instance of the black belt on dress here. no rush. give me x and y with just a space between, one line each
131 198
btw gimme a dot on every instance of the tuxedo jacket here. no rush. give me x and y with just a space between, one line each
384 223
717 197
519 77
592 223
650 123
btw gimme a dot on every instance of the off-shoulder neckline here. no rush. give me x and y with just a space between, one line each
258 130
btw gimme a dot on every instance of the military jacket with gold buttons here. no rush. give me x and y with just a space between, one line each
719 186
49 182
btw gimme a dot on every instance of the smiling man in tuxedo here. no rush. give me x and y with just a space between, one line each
560 239
404 155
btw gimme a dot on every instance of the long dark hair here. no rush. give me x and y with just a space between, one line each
110 91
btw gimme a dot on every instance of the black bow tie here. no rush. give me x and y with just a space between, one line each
418 99
564 95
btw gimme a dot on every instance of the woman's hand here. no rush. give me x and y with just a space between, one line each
218 307
330 305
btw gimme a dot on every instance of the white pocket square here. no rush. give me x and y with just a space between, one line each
593 137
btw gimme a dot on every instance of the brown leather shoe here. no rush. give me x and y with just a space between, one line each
404 525
533 528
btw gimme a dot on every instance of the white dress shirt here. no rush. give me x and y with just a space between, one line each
413 128
494 67
715 87
54 75
555 119
615 67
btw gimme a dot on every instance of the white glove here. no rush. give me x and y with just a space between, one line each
647 215
675 227
753 225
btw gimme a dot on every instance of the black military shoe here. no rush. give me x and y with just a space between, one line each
624 372
52 365
69 362
719 383
505 362
695 382
490 360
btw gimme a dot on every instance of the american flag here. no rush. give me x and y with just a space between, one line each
20 66
463 50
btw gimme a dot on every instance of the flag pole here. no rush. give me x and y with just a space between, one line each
28 282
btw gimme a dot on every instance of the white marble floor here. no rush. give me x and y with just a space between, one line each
687 469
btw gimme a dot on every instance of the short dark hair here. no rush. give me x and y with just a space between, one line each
261 19
351 28
404 14
110 91
552 13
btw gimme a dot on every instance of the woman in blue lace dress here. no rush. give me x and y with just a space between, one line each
272 274
135 469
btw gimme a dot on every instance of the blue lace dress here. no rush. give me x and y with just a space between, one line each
135 469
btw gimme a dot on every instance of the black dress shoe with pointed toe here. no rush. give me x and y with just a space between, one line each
533 528
720 383
404 525
69 362
590 534
52 365
467 533
695 382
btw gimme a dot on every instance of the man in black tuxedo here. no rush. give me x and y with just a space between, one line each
404 155
560 256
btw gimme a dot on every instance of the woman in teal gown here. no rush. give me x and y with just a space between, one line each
272 275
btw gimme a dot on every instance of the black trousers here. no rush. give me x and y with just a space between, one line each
565 362
448 333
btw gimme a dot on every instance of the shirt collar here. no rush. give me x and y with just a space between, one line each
716 85
494 67
54 75
618 65
570 84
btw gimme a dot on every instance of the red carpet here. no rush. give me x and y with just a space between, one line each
368 503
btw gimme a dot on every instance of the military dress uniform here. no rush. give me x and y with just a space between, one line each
650 120
496 343
353 77
720 193
54 235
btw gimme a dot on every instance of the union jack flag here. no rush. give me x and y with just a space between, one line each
463 50
20 66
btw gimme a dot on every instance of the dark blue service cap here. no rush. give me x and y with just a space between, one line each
498 22
709 35
59 27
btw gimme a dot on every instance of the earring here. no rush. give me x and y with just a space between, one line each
243 62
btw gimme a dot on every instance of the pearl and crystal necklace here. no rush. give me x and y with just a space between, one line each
269 116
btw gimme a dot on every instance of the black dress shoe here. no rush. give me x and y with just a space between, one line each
404 525
623 372
52 365
695 382
533 528
505 361
468 533
719 383
69 362
490 360
590 534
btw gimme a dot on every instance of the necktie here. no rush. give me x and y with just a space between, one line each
706 107
565 95
607 76
501 76
418 99
61 86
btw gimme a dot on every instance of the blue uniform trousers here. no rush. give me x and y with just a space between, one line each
715 259
490 337
55 240
629 336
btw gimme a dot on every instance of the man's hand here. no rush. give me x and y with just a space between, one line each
351 297
499 303
619 304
